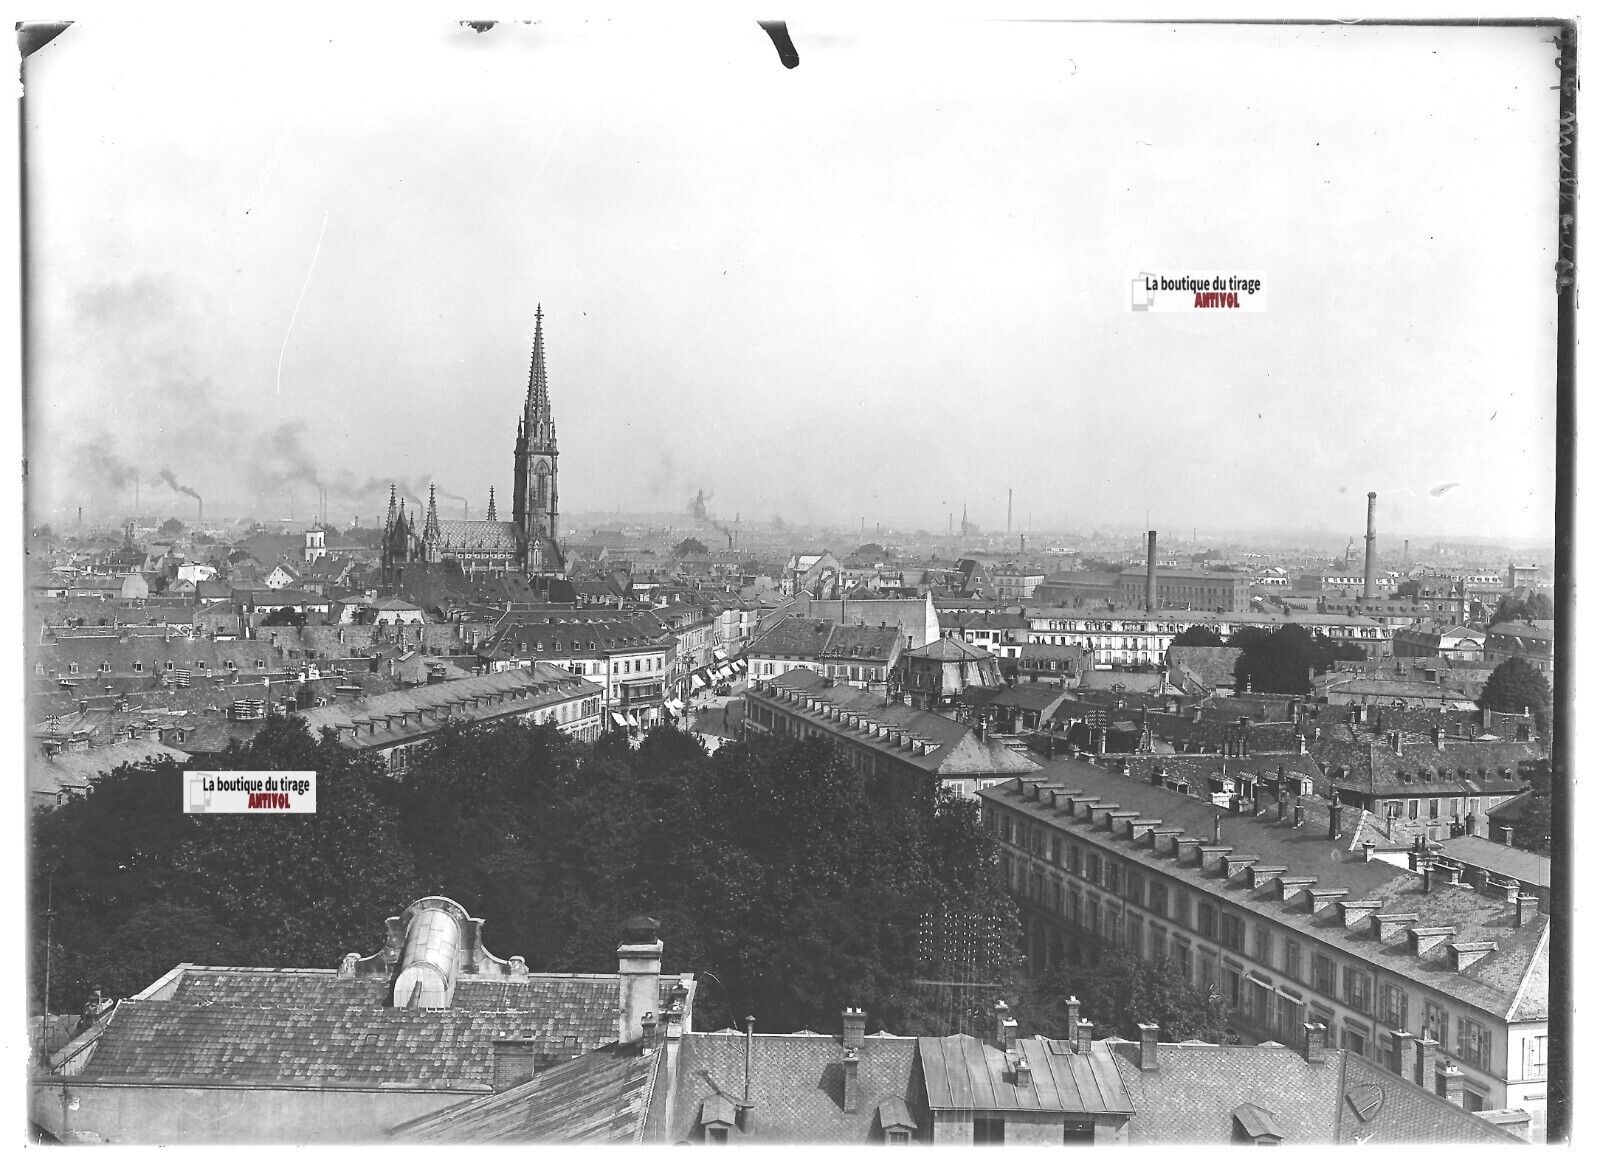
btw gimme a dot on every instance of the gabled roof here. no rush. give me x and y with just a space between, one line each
964 1073
602 1097
796 1085
1198 1091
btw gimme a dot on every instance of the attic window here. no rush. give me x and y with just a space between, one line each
138 667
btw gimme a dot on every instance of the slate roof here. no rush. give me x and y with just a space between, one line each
366 721
957 749
263 1026
1211 665
602 1097
1369 763
486 536
812 637
1192 1095
73 770
1492 984
1038 696
796 1084
1529 868
965 1073
949 649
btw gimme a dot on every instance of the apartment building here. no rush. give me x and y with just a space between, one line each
1139 638
884 740
1272 907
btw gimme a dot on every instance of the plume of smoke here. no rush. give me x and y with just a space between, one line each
167 477
778 523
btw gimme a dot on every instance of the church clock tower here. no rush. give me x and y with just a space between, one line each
535 508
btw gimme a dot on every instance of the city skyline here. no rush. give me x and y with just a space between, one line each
840 296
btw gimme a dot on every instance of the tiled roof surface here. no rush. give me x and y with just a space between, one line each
1527 867
486 536
1213 665
270 1025
73 769
949 649
601 1097
1490 984
1368 762
957 752
1191 1097
1040 696
796 1084
965 1073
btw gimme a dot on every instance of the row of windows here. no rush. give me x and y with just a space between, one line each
138 667
1352 984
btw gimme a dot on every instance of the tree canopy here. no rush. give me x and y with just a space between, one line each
1119 992
869 552
172 527
1515 685
1284 660
1534 607
798 885
1199 635
690 547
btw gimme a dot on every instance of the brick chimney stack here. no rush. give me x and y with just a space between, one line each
1149 1058
854 1031
638 976
1369 584
1150 573
1314 1042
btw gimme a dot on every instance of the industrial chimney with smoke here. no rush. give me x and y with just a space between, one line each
1369 581
1150 573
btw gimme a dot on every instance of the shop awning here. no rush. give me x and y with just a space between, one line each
674 706
633 722
719 654
618 719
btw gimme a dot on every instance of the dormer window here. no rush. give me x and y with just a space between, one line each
138 667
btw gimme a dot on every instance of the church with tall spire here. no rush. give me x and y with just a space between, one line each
528 542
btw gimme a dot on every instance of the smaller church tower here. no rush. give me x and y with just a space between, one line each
490 516
430 529
535 505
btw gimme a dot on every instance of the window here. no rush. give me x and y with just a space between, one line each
1136 936
1473 1043
1291 1011
1433 809
1134 894
1263 950
1291 958
1392 1006
1158 898
1077 1132
1208 968
1356 1038
1233 932
1181 910
988 1132
138 667
1358 989
1533 1058
1413 809
1055 850
898 1136
1094 867
1208 919
1113 877
1182 956
1232 985
1322 973
1435 1022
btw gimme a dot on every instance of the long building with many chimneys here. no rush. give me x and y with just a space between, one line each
526 543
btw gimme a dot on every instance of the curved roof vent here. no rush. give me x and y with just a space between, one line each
430 958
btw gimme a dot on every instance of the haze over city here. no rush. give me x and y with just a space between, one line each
886 284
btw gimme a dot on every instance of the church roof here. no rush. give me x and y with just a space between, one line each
477 536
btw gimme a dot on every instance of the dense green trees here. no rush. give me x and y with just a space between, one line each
1119 992
1535 607
1284 660
689 547
771 864
1199 635
1515 685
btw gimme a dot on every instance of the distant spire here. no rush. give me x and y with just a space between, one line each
491 505
430 526
538 425
393 506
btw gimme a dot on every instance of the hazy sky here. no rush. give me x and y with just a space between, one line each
888 282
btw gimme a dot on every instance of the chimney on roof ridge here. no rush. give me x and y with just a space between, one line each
1149 1058
1527 908
1451 1084
1085 1036
852 1080
512 1060
638 976
1313 1042
854 1031
1073 1007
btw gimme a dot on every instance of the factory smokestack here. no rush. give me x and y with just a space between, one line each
201 504
1369 582
1150 573
1008 511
